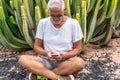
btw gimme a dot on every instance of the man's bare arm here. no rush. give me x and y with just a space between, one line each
77 47
38 47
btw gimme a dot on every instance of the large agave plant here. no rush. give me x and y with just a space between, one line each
99 19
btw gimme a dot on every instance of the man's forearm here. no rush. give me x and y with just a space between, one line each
72 53
40 51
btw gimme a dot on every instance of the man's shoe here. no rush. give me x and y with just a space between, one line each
41 78
68 77
71 77
32 76
36 77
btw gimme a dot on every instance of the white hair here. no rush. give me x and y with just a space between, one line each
56 4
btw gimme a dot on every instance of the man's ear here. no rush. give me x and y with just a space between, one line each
65 10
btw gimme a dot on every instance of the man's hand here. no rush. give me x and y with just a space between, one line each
50 57
57 57
54 57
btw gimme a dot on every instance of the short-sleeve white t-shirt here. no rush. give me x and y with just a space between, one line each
59 40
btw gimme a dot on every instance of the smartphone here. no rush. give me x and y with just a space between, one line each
53 55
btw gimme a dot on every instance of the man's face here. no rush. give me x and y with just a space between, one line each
56 15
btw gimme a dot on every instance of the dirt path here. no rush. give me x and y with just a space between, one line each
101 63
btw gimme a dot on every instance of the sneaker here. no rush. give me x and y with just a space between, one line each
41 78
32 76
36 77
68 77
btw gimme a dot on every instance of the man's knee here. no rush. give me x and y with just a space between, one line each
27 61
22 59
80 62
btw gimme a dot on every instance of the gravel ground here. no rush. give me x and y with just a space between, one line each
101 63
9 67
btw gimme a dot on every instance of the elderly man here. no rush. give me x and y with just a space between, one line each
58 42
